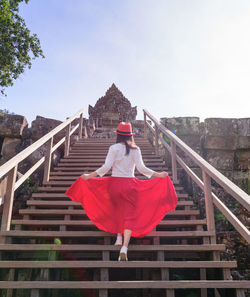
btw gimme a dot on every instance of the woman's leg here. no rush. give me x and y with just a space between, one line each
127 236
118 239
124 249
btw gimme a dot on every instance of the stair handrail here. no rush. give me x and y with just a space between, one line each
10 167
208 173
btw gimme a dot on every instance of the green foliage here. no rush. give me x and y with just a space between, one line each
166 139
178 277
17 45
5 111
220 217
28 186
191 294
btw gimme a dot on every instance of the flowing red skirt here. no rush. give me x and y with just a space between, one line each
117 203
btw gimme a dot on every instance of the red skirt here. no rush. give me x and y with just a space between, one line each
117 203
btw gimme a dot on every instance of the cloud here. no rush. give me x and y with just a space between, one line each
174 58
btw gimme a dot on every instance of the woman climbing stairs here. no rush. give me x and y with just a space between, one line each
55 246
53 249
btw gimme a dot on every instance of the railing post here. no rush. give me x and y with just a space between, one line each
156 141
8 199
145 125
47 163
80 127
209 204
173 159
85 132
67 140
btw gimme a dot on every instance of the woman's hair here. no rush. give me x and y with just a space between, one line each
129 142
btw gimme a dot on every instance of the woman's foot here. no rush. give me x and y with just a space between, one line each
123 254
118 240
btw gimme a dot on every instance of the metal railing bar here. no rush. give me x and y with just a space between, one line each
217 202
5 168
242 197
28 173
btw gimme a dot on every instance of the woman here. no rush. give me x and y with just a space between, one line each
121 203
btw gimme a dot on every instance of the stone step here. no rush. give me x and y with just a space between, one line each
142 145
99 164
82 157
74 177
78 167
57 203
79 172
57 183
61 196
118 264
104 154
56 187
59 234
81 212
189 284
100 247
106 146
110 141
103 151
167 223
101 161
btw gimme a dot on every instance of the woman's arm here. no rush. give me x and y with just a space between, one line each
104 168
160 174
145 170
88 175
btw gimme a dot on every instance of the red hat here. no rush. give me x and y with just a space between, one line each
124 129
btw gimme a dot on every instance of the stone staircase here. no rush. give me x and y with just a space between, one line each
54 249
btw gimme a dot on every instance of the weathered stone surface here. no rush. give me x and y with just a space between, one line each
221 127
183 125
242 180
243 142
220 142
108 132
112 108
236 249
9 147
222 160
41 126
192 140
12 125
242 160
3 186
188 129
244 127
38 154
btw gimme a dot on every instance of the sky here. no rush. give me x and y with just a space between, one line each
173 58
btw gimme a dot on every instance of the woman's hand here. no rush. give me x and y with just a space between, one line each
85 176
88 176
160 174
163 174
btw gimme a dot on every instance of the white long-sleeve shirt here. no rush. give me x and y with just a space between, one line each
123 165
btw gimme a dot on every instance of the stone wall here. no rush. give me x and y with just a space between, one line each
225 144
16 136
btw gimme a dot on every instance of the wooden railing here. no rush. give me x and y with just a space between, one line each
208 173
10 167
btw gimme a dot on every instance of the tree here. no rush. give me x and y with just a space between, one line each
18 47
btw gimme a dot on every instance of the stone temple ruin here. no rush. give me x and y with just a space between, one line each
111 109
